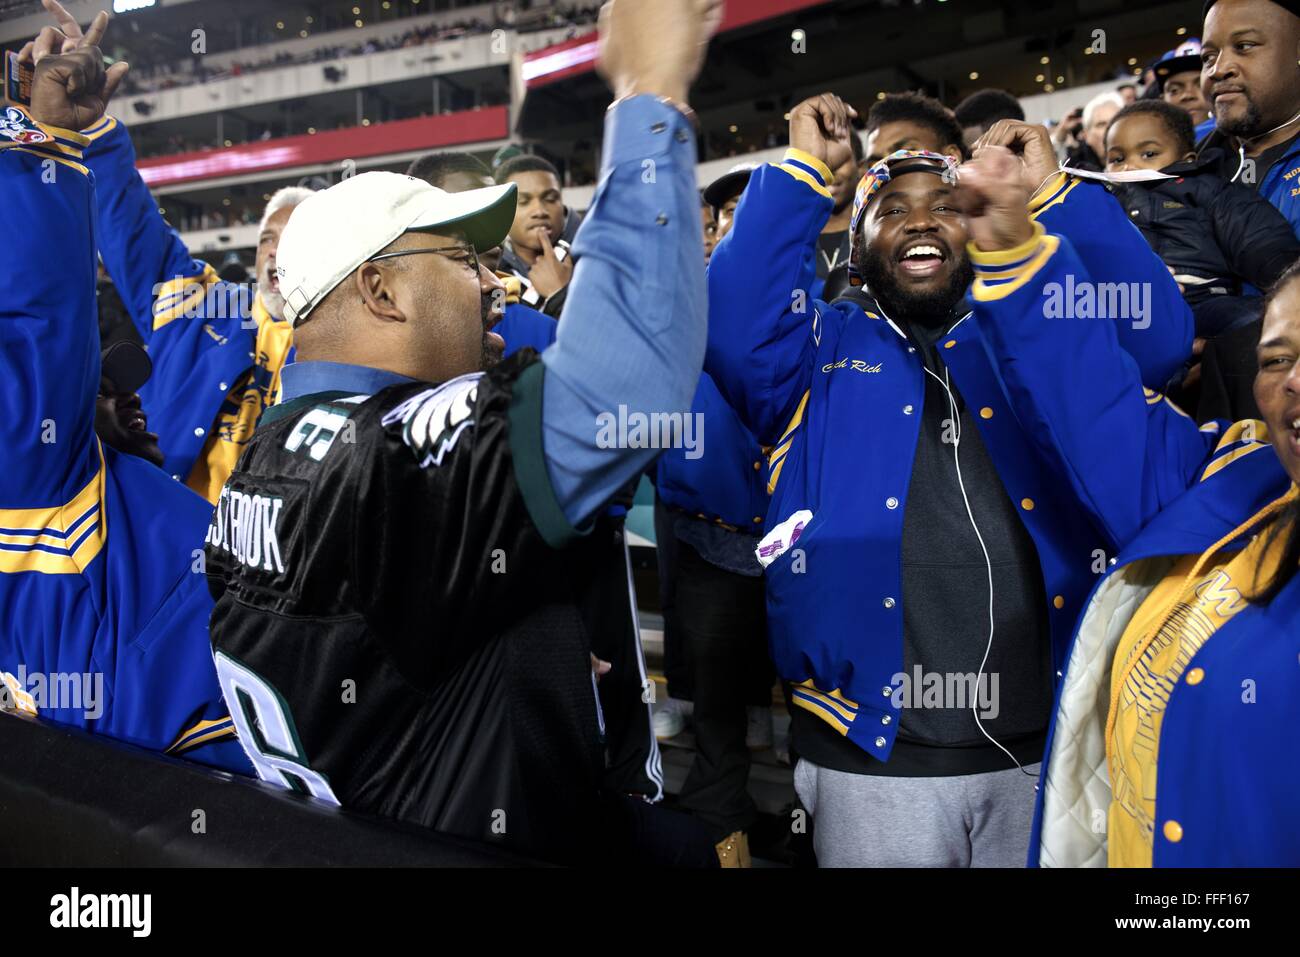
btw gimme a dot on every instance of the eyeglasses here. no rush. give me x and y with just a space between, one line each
472 262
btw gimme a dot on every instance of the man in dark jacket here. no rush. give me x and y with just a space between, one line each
1216 237
538 247
1251 78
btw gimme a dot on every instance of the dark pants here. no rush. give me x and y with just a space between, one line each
723 620
633 765
637 834
677 669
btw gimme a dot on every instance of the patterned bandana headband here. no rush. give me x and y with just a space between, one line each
881 173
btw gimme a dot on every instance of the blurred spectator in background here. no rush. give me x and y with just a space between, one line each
1128 92
520 325
1216 237
537 249
912 121
1097 114
1251 78
709 221
233 269
1066 134
982 109
724 193
1178 81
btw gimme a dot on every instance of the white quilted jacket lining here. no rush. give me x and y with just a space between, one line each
1077 787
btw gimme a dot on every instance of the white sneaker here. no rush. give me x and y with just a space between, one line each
758 733
669 719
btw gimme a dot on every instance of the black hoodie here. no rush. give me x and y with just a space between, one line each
946 598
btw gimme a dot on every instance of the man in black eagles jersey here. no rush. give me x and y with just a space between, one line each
400 558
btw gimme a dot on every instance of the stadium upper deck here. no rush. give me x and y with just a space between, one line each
231 100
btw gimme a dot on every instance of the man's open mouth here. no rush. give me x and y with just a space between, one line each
136 422
922 258
1293 434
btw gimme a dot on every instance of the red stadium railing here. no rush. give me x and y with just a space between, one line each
329 146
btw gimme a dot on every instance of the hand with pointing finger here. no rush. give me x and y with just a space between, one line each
548 273
71 88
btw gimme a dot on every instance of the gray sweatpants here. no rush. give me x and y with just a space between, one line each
865 820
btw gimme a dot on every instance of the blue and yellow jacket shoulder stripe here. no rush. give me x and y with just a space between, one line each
103 612
837 393
217 353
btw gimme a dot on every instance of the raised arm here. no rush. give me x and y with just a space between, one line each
1126 450
49 341
1157 331
763 319
140 251
631 341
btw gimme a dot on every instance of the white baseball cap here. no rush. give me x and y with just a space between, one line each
334 231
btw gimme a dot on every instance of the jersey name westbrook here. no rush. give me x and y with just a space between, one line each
246 526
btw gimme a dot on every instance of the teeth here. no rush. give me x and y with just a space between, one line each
921 251
1295 424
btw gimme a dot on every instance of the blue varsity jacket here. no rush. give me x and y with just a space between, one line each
1228 762
838 393
103 602
524 327
724 481
216 351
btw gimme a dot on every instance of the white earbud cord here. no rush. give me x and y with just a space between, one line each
1241 150
988 562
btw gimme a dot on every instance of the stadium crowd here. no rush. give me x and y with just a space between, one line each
978 399
155 73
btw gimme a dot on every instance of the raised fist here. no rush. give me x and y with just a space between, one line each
655 47
821 126
994 200
1030 143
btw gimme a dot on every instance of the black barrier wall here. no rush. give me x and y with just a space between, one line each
69 799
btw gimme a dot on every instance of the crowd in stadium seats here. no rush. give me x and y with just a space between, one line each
977 398
150 76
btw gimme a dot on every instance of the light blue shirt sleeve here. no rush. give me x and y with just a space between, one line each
632 336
